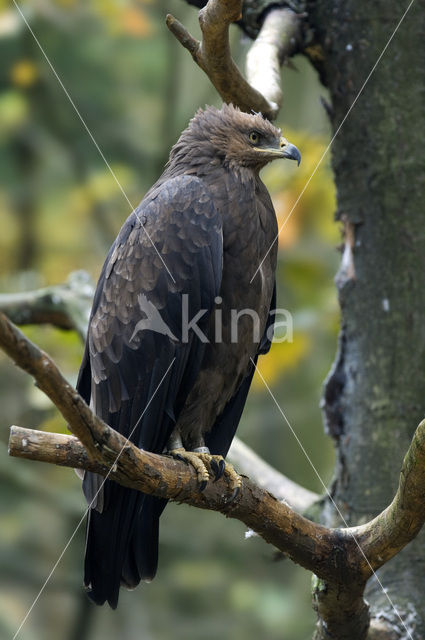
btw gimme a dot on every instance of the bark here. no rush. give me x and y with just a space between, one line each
375 391
279 37
343 559
67 306
373 396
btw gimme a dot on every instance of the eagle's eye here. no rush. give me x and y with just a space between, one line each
254 137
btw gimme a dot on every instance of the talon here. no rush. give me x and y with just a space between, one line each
217 466
204 463
235 480
214 468
220 469
195 460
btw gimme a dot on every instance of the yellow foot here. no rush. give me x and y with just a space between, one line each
207 466
234 478
196 461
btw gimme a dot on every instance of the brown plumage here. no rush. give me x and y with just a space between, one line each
209 221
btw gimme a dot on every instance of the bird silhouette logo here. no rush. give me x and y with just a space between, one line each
153 320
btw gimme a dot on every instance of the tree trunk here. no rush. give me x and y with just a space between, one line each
374 396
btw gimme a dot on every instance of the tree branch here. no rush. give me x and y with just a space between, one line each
277 39
66 306
305 542
383 537
151 473
341 558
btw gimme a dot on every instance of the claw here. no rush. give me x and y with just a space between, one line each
204 463
214 468
217 465
221 468
202 485
235 480
196 461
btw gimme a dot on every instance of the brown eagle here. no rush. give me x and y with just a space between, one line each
177 324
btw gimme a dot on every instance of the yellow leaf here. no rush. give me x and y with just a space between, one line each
24 73
136 23
281 357
289 224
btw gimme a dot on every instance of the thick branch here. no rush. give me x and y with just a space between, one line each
341 614
387 534
68 306
213 55
340 558
82 422
379 540
305 542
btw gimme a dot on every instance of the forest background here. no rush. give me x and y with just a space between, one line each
60 209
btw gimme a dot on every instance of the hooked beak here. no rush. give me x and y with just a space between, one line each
289 151
285 150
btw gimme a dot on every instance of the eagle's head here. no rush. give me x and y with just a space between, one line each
238 139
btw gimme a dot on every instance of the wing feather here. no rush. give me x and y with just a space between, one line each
134 336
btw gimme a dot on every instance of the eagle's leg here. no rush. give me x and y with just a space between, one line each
220 467
205 464
196 461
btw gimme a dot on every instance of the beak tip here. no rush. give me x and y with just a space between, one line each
293 153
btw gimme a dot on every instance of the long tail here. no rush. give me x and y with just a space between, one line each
121 543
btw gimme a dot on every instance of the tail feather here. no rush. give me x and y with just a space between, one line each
121 544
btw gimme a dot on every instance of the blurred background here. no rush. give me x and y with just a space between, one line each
60 209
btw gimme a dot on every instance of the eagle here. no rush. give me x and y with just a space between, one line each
177 325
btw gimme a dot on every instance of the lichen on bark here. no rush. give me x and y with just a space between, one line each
375 392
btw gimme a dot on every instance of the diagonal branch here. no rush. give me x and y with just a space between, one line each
342 559
382 538
68 305
278 39
305 542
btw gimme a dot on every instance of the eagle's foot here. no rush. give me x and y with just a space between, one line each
215 464
235 480
196 461
207 465
219 467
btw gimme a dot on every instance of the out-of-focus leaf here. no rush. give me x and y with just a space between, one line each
304 195
135 22
24 73
282 357
13 112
